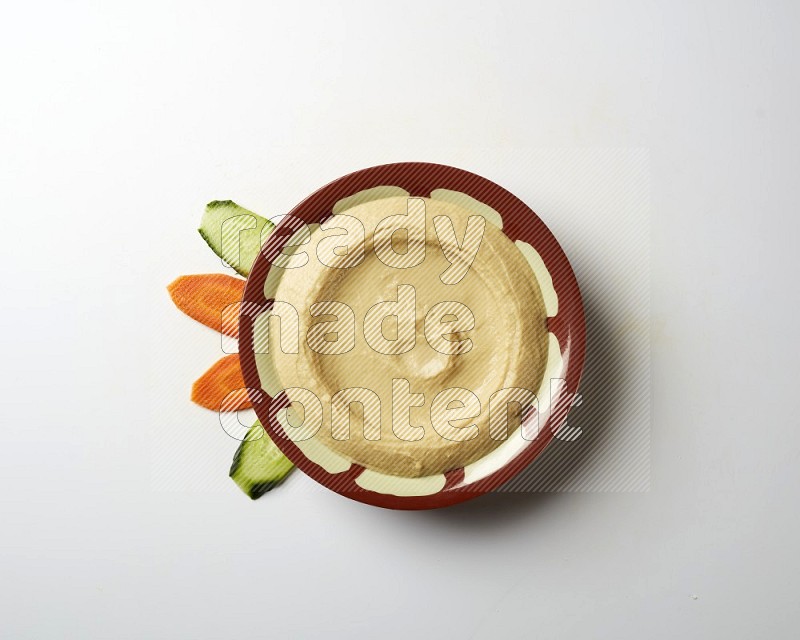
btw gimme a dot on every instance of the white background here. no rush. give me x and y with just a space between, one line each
119 121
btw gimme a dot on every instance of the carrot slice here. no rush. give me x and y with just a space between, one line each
212 299
218 382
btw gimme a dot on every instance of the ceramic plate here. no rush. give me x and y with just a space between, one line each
565 324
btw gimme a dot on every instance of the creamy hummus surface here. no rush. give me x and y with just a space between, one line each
400 382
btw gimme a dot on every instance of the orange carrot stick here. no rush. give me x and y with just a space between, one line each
207 299
214 385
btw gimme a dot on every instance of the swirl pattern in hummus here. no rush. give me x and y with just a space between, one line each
507 343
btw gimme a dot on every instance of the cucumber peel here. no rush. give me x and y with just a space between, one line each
234 233
258 465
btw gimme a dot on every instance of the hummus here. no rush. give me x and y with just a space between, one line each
404 354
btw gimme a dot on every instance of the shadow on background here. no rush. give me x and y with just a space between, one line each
562 467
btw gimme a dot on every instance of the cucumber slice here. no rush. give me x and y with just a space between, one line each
258 465
234 233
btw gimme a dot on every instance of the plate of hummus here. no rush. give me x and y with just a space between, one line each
412 335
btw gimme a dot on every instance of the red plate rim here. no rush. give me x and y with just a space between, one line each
519 223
